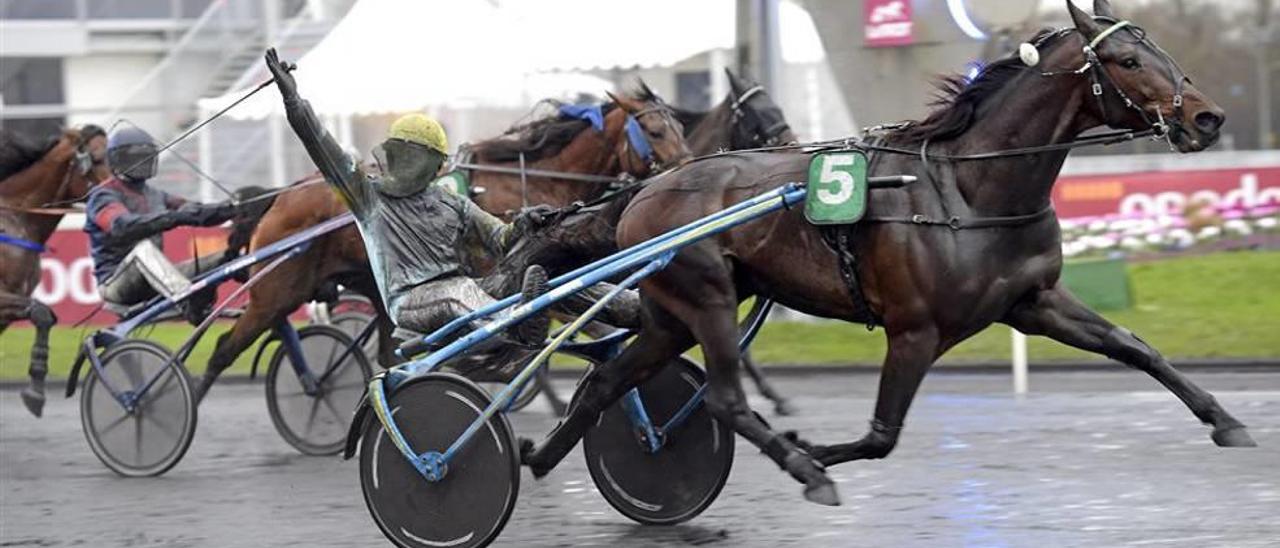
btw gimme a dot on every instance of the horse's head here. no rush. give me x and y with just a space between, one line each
1137 85
652 134
757 120
84 151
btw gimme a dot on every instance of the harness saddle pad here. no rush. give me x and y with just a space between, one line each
837 189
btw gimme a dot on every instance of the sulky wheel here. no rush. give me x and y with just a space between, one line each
684 477
152 437
353 322
316 423
467 507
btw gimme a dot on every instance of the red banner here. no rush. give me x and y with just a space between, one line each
1164 192
887 23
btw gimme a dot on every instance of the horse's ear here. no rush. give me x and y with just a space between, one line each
1102 8
644 87
1084 22
623 101
735 83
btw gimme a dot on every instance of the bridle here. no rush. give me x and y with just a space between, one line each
83 162
636 141
771 134
1101 80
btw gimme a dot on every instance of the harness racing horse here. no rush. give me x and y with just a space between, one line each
570 146
32 179
973 242
746 118
564 147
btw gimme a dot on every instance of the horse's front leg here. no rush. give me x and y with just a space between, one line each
911 353
17 307
1057 314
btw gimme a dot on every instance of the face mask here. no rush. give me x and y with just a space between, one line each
133 162
409 167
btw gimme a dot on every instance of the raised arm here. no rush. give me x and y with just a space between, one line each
341 171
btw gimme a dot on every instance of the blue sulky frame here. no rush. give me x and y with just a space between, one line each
641 260
154 310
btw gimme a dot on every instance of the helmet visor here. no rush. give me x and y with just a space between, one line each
136 162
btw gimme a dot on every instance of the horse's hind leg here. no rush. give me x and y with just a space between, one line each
910 354
15 307
698 289
662 339
716 329
1058 315
781 405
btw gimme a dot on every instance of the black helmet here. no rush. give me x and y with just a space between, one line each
131 153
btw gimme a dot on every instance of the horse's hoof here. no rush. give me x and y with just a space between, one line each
527 458
784 408
822 493
34 401
1233 437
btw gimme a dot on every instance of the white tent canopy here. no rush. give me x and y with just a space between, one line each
401 55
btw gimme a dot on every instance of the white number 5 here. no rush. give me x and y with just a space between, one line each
842 178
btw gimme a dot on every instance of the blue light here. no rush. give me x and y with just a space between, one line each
972 70
961 16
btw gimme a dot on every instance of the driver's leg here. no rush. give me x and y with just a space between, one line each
142 274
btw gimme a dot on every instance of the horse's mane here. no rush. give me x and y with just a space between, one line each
18 151
957 99
541 138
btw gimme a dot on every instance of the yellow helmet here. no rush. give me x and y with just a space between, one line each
421 129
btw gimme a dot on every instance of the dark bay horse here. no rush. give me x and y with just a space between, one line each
929 280
34 177
551 143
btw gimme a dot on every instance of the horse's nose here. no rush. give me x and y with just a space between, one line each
1209 121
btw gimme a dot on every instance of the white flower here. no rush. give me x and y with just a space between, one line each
1130 242
1209 232
1267 222
1155 238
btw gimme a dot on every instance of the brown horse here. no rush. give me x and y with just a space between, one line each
570 146
32 179
975 241
746 118
564 145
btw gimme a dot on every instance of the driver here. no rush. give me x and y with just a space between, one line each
418 235
126 221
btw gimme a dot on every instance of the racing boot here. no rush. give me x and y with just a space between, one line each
532 331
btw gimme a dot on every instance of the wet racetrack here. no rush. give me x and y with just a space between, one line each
1089 459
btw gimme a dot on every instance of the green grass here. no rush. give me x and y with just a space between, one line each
1215 306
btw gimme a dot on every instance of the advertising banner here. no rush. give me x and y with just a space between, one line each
1147 194
887 23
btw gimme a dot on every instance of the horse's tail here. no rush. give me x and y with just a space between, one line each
246 220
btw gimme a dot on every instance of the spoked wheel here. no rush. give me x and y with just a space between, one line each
316 423
353 322
471 504
682 478
152 437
